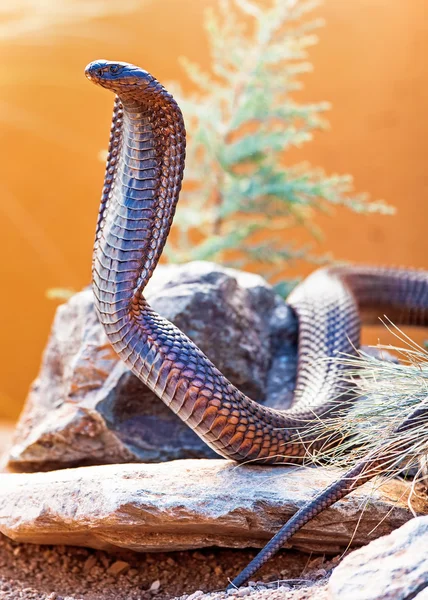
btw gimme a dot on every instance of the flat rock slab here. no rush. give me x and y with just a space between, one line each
394 567
191 504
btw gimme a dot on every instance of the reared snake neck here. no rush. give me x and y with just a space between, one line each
142 184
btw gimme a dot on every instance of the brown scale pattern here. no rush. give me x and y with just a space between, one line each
143 179
142 183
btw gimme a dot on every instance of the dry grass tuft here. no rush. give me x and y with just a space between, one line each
388 395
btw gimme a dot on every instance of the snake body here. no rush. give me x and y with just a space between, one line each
143 178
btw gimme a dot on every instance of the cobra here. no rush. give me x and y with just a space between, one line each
142 184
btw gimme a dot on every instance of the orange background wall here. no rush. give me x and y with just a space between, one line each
370 63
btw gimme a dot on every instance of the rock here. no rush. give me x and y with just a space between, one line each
244 591
394 567
118 567
189 504
281 377
195 595
86 407
155 586
89 563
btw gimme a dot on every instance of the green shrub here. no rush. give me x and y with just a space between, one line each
241 197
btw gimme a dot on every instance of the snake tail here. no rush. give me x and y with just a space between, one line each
379 461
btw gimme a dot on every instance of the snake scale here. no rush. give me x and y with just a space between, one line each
142 183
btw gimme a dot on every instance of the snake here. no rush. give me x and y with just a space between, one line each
143 179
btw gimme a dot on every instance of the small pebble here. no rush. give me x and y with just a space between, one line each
96 572
195 595
198 556
90 562
118 567
320 573
244 591
315 562
105 561
155 586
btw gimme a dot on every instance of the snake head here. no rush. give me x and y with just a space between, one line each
117 76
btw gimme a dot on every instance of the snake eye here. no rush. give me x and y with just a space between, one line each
114 68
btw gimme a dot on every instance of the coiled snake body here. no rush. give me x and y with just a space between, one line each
142 183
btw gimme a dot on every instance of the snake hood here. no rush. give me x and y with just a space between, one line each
118 76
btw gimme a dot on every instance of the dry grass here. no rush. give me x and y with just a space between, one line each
388 396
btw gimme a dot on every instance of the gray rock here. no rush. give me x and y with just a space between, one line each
281 378
87 408
191 504
394 567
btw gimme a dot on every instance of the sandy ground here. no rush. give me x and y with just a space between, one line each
35 572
